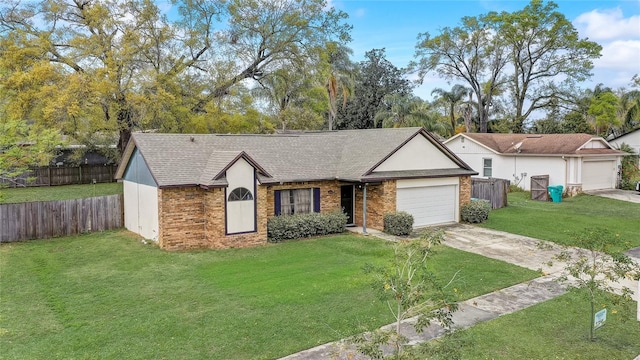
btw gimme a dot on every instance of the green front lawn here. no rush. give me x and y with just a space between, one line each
558 222
108 296
64 192
555 329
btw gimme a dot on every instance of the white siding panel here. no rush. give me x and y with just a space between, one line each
241 215
141 209
429 205
130 191
418 154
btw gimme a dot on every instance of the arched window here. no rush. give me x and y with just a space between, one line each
239 194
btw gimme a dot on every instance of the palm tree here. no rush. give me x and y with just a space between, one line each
629 110
339 76
452 99
401 110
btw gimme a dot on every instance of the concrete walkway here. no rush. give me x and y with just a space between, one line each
618 194
519 250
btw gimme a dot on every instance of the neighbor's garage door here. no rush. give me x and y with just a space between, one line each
598 175
429 204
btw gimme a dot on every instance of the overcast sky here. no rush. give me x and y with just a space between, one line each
394 25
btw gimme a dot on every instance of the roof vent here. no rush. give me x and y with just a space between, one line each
534 136
193 139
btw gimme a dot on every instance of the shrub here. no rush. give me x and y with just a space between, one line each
476 211
398 223
287 227
515 188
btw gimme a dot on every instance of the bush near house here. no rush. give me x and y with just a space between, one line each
287 227
476 211
398 223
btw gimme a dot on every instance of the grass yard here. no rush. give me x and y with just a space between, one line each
108 296
64 192
556 329
558 221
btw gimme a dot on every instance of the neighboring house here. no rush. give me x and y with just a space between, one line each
631 138
217 191
579 162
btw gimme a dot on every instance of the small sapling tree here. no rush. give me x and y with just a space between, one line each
589 268
410 289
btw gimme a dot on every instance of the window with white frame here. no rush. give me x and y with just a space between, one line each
240 194
296 201
486 167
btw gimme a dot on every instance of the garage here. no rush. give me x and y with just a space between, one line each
429 205
598 175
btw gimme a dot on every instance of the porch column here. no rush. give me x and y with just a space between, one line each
364 209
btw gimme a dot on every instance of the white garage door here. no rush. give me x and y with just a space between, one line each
598 175
429 205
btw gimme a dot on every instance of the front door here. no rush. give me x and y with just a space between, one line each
347 202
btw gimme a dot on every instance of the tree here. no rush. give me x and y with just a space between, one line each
410 289
591 270
452 98
23 146
603 109
630 171
138 62
339 77
294 100
408 110
544 46
471 52
538 43
374 79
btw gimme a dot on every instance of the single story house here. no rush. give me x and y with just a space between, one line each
217 191
632 138
578 162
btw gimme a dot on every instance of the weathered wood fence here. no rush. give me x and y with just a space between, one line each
65 175
492 189
539 185
47 219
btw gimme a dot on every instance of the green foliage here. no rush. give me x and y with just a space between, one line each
630 170
116 66
409 289
515 188
590 269
287 227
603 108
475 211
515 57
398 223
375 78
23 146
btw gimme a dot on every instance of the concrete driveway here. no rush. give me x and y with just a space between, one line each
624 195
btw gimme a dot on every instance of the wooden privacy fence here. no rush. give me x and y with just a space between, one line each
66 175
47 219
494 190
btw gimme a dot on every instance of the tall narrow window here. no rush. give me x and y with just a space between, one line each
239 194
486 167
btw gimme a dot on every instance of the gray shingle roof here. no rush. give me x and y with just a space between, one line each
179 159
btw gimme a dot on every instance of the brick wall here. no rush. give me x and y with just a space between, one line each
181 218
216 227
381 199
